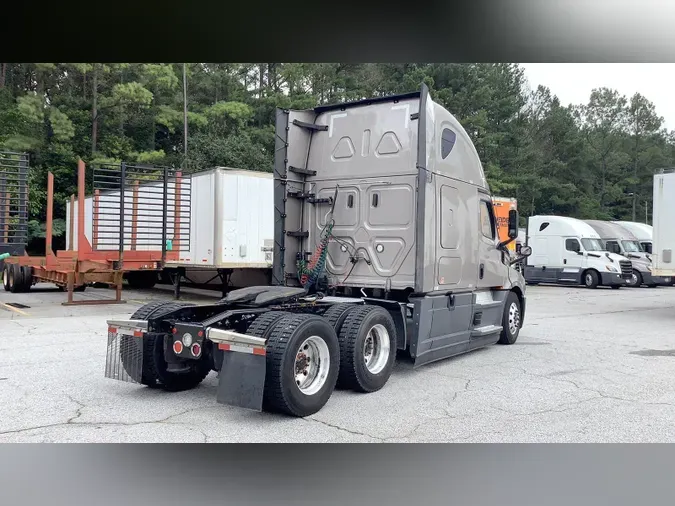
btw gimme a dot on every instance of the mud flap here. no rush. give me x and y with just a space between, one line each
242 380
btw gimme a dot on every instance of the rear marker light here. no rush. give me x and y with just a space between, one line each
177 347
196 350
187 339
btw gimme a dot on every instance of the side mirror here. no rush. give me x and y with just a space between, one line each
525 251
513 224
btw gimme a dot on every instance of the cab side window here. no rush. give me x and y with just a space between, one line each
613 247
487 220
572 245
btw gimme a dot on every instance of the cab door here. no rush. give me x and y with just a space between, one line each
491 269
571 256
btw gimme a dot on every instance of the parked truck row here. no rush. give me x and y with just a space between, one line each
588 252
385 239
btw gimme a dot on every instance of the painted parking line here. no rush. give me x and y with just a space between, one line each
15 309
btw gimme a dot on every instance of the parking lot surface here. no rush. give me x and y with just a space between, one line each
589 366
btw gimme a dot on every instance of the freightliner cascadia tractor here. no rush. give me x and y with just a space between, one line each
385 240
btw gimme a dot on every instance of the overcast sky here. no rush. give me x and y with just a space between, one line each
573 82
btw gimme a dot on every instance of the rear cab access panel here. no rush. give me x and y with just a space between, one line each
369 151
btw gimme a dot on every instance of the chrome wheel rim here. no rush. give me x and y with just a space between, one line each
633 279
312 363
514 318
376 349
5 277
589 280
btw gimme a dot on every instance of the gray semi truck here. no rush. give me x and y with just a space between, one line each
385 240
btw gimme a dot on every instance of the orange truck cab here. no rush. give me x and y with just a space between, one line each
502 206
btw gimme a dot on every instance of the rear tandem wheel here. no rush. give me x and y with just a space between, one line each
154 372
303 361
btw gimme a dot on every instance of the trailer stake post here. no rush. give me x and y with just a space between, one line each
165 210
123 170
134 218
81 238
50 214
71 225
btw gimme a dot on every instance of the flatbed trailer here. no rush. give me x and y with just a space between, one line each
117 248
385 239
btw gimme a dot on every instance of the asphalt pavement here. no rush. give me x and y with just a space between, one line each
589 366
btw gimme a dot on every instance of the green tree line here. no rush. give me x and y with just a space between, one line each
592 160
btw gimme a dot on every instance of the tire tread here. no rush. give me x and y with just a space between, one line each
349 333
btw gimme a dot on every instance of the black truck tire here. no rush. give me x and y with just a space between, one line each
129 348
15 278
367 349
511 320
300 346
172 381
337 314
5 277
26 278
635 279
591 279
263 325
140 280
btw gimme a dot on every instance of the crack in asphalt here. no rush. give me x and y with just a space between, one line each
337 427
79 412
408 435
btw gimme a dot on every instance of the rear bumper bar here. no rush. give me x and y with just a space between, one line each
228 340
135 328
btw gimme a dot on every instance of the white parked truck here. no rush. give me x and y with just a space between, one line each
664 219
619 240
643 232
385 239
569 251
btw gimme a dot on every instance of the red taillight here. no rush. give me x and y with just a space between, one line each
196 350
200 333
177 347
174 330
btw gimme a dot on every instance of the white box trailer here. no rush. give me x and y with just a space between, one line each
663 216
230 221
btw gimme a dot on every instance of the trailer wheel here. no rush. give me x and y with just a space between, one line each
26 278
141 280
591 279
129 348
5 277
15 278
337 314
367 349
303 361
263 325
511 320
